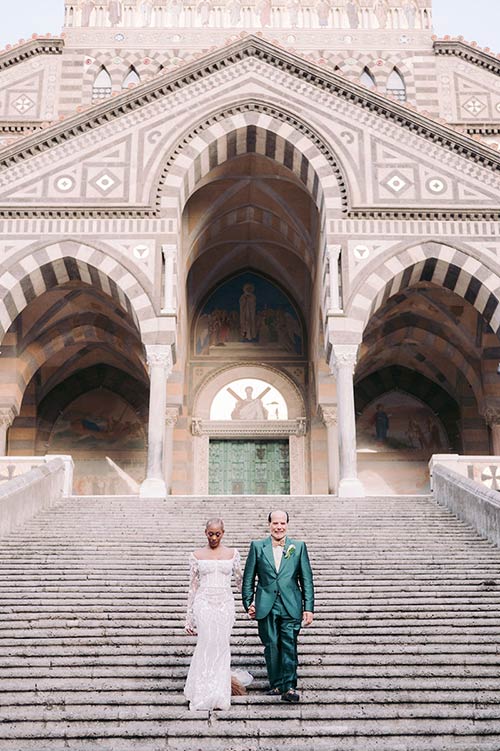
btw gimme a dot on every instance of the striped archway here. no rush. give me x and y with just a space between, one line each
433 263
253 128
48 267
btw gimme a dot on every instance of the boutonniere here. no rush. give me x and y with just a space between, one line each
289 551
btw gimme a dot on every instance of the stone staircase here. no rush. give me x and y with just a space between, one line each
403 655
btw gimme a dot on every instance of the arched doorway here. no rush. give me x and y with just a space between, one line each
249 430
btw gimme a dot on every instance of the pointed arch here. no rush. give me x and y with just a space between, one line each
259 129
131 78
431 262
367 79
396 85
52 265
102 84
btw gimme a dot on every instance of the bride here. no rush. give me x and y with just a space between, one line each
210 614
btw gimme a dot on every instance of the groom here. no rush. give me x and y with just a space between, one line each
283 599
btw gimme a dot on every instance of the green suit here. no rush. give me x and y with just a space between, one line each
280 599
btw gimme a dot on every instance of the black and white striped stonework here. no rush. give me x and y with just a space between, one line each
63 262
437 264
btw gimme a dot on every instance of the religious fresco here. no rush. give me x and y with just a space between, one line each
396 436
245 316
107 441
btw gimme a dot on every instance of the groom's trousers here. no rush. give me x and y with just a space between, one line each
278 633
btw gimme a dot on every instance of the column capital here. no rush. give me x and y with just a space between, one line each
343 356
171 416
169 250
160 355
328 414
7 415
491 414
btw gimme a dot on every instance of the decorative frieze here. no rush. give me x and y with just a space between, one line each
249 428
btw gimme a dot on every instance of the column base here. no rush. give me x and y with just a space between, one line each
153 488
351 488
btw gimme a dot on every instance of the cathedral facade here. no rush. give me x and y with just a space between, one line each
249 248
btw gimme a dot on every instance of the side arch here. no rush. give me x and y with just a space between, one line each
48 267
431 262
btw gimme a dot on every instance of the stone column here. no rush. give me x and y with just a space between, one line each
491 415
329 417
171 416
7 415
342 364
160 366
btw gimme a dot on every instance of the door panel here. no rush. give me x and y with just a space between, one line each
249 467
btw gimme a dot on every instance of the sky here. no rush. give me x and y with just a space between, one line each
476 21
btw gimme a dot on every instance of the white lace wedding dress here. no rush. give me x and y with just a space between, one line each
211 613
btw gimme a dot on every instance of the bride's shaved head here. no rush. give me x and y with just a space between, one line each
216 521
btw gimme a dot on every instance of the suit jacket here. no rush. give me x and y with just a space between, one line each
293 582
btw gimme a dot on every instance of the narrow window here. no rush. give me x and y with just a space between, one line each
367 79
396 85
132 77
102 85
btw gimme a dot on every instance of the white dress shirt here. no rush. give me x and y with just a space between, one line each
278 555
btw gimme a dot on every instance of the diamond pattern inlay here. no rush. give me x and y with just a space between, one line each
23 103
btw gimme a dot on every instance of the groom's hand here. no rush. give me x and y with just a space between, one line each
307 618
251 611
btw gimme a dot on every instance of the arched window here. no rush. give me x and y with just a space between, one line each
102 85
396 85
367 79
132 77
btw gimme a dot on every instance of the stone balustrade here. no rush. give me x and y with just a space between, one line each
472 501
35 489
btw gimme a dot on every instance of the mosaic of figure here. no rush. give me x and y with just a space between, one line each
146 8
205 9
410 10
234 8
323 8
248 310
381 10
176 7
293 7
264 8
248 306
114 12
352 10
87 6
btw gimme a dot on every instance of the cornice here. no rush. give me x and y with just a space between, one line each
476 55
40 46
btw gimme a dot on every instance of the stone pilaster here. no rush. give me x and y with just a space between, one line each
7 415
169 293
342 364
160 365
333 253
329 416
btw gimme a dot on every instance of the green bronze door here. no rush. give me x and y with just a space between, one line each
249 468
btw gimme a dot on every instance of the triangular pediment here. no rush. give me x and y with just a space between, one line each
110 156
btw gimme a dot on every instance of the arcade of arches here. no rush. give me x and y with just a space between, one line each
246 273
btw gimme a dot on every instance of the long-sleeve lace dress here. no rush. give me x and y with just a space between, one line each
211 613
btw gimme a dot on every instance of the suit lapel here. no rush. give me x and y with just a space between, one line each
268 551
